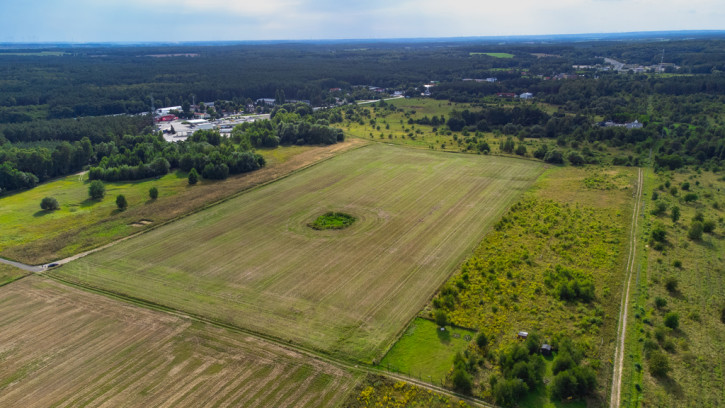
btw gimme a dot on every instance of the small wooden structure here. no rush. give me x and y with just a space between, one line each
546 350
522 335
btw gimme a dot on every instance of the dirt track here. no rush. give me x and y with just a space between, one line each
622 327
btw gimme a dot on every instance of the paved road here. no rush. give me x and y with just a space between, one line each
29 268
618 66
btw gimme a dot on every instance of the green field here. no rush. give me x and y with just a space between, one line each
63 347
393 127
571 226
10 273
425 351
493 54
34 236
694 348
252 261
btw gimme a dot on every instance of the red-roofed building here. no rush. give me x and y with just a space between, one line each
166 118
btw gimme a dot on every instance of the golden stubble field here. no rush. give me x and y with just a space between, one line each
254 263
61 347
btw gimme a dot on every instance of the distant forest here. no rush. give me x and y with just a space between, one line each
117 80
82 108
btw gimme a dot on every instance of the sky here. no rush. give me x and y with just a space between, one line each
224 20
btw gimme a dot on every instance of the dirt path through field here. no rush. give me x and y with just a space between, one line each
622 327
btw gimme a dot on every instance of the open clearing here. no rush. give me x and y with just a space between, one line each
33 236
426 352
63 347
253 262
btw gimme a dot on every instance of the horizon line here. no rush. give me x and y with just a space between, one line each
384 39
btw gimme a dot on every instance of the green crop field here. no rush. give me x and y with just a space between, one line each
64 347
34 236
425 351
254 262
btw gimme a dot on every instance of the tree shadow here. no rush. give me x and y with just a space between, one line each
671 386
42 213
443 335
89 202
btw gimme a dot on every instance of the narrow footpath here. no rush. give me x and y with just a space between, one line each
616 394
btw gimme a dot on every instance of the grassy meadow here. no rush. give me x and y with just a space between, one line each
426 352
34 236
254 262
10 273
572 226
393 128
679 276
63 347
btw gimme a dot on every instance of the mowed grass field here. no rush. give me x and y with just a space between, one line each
33 236
426 352
253 262
63 347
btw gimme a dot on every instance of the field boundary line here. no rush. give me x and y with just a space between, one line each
352 366
616 389
40 268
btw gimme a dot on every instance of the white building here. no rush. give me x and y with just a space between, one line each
526 95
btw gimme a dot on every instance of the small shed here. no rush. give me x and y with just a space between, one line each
522 335
546 350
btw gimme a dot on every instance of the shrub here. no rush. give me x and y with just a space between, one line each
695 232
659 233
660 302
49 204
482 340
659 209
655 196
521 150
153 193
462 381
685 186
672 320
441 318
554 156
659 365
673 191
575 383
193 176
708 226
675 213
690 197
121 202
671 284
562 362
575 159
96 190
677 264
508 392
